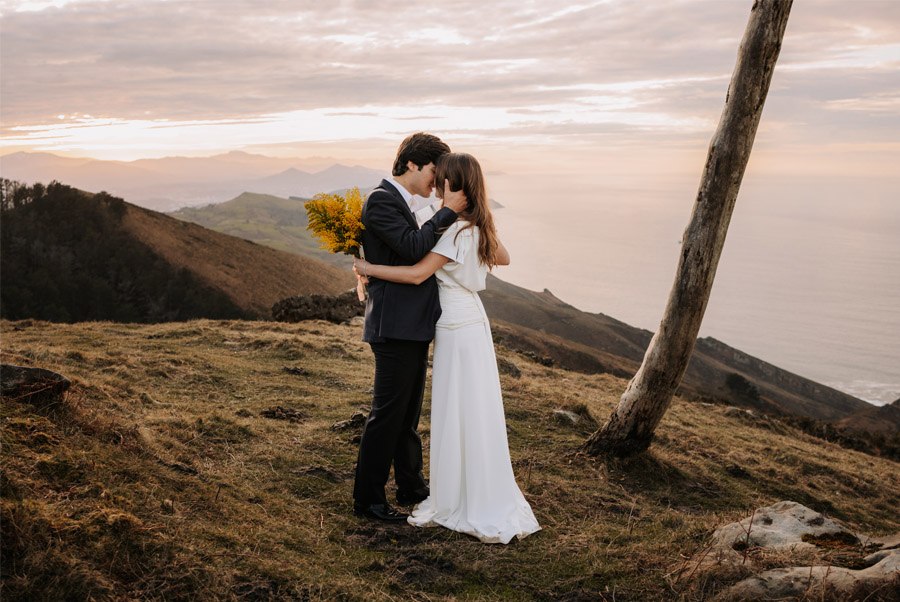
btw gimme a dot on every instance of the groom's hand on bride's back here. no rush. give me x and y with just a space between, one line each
455 201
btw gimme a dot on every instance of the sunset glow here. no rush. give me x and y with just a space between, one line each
125 80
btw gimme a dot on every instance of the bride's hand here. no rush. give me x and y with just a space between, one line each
455 200
360 268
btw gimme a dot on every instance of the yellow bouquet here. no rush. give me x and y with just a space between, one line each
336 221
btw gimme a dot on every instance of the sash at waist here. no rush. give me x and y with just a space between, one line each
460 307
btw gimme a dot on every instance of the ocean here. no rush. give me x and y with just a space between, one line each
809 278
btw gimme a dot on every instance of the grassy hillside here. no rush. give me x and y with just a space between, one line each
197 460
255 277
68 255
268 220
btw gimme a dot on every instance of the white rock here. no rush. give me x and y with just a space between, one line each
816 582
566 417
781 526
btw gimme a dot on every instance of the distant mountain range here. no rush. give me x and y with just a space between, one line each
175 182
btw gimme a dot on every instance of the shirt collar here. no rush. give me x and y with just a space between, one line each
407 195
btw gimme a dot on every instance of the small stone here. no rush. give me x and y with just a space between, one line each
31 385
507 367
282 413
739 412
334 308
357 420
566 417
168 506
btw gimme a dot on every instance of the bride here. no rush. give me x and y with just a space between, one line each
473 489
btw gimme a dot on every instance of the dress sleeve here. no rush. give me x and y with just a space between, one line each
453 244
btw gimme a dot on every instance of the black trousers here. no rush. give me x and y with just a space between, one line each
390 435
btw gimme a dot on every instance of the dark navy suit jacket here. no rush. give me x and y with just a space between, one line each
392 237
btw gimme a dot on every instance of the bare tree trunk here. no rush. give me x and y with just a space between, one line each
630 428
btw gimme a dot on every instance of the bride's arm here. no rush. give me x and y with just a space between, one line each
404 274
502 256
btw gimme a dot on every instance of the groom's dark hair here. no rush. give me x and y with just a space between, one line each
421 149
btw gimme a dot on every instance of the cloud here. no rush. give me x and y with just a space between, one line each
637 66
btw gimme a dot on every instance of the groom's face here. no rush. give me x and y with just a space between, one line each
423 179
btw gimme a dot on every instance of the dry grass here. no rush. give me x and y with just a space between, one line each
163 476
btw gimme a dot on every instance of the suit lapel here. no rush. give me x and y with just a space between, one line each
395 194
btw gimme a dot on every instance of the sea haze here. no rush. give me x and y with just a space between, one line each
809 279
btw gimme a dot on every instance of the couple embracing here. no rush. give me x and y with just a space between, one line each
423 284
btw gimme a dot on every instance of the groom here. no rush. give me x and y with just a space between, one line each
400 322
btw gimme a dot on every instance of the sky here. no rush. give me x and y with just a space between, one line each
612 86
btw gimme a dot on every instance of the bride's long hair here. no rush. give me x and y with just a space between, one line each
464 173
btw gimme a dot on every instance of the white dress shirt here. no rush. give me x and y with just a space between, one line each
422 209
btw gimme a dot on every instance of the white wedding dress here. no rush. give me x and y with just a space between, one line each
473 489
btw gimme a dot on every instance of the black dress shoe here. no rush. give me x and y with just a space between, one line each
383 512
414 497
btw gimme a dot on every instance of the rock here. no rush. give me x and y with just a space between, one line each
544 360
282 413
357 321
566 417
739 412
147 400
507 367
819 582
782 526
888 542
32 385
334 308
798 535
357 420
